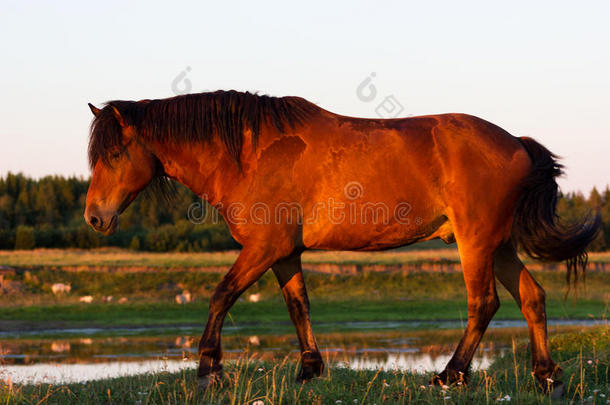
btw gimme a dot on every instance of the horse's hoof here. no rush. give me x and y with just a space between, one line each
311 366
306 374
448 377
206 381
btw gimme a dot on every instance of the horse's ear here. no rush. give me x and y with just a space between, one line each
93 109
118 116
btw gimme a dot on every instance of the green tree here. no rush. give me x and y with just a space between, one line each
25 237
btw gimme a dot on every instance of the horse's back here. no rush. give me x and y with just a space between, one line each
429 167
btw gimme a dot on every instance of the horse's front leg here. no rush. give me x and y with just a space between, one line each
290 276
248 268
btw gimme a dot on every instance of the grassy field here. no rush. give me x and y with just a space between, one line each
585 358
334 298
126 258
162 284
269 315
337 300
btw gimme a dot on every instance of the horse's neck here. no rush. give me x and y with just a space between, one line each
206 169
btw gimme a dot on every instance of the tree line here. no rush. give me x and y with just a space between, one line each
48 212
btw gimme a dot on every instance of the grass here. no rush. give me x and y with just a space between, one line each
374 296
270 315
585 358
336 300
112 257
163 284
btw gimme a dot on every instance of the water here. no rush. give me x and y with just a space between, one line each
78 355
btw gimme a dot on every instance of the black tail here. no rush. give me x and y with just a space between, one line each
536 227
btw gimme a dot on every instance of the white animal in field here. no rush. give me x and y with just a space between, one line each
183 298
87 299
60 347
61 288
254 297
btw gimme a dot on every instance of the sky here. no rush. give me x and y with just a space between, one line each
538 69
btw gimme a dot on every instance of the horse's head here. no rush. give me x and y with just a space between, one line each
121 165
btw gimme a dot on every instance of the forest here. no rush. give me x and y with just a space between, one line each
48 212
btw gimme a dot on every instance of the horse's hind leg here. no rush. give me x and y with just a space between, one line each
290 276
476 254
530 297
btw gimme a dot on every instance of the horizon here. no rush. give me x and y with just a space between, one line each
527 73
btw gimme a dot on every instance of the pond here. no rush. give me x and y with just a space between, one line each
78 355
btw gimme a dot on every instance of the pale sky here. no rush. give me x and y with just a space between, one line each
539 69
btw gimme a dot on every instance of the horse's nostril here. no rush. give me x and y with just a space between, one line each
95 221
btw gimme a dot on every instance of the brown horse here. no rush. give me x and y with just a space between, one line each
288 176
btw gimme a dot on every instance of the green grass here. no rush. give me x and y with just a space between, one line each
335 299
272 314
585 358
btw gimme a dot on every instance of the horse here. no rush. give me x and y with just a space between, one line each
288 176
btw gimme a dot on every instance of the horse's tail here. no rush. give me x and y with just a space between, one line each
536 226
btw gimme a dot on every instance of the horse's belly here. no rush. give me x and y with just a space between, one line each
376 236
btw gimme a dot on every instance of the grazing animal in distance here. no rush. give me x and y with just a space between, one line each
61 288
287 176
183 298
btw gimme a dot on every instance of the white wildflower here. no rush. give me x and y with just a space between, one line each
258 402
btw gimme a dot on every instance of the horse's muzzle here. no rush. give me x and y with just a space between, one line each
106 225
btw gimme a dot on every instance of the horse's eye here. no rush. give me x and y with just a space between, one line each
115 155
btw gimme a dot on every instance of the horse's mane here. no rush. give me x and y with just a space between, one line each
196 118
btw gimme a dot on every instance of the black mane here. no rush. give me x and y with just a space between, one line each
194 118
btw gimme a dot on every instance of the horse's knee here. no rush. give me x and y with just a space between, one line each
483 307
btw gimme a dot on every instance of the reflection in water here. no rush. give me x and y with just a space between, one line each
80 359
57 373
417 362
